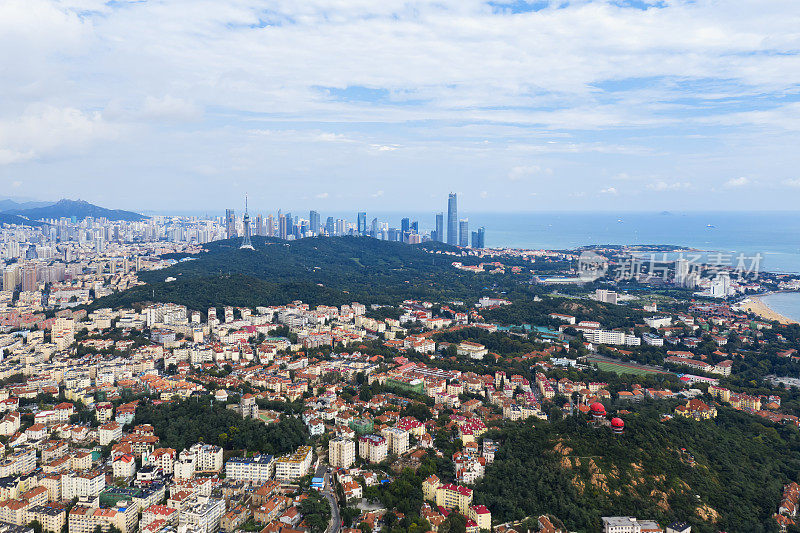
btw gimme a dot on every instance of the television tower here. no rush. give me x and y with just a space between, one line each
246 244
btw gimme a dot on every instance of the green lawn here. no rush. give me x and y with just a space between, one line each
624 368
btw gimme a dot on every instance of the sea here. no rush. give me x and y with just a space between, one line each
784 303
773 235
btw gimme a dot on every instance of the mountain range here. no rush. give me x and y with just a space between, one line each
13 212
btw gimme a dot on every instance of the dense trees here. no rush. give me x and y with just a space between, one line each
580 473
330 271
316 512
183 423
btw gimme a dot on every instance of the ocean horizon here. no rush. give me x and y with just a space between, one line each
773 235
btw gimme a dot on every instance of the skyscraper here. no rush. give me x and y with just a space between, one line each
479 238
452 219
270 226
313 222
259 225
246 244
230 223
330 227
463 233
283 226
362 223
374 228
439 227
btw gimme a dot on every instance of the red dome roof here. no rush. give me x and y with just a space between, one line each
597 408
617 423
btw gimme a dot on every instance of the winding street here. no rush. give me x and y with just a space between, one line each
336 521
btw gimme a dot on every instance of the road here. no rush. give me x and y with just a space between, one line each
336 520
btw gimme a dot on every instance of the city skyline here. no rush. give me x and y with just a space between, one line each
410 231
590 105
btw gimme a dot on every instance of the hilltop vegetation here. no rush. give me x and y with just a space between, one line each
323 270
580 473
75 208
183 423
537 312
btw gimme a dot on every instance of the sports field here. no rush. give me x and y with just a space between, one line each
625 368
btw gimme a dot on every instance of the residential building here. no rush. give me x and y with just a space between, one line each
341 452
108 433
201 514
256 469
396 439
372 448
294 466
84 519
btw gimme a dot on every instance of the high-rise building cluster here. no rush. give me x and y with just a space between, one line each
290 227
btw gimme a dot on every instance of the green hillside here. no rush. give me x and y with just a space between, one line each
324 270
581 473
6 218
75 208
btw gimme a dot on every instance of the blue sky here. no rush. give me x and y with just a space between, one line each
355 104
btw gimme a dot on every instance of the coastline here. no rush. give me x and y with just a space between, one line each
755 305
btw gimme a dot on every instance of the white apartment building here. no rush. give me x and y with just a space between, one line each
201 514
372 448
256 469
84 519
184 467
294 466
208 458
163 458
471 349
82 484
18 463
109 432
341 452
396 439
628 524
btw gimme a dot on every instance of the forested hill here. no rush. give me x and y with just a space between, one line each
323 270
729 478
6 218
75 208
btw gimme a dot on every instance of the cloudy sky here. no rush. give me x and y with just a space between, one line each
389 104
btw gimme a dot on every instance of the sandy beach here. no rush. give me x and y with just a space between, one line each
758 307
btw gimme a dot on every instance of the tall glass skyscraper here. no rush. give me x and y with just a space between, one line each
479 238
463 233
440 227
362 223
230 223
452 219
313 222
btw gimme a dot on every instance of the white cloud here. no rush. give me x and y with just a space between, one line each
792 182
609 190
525 171
170 108
737 182
47 130
321 195
662 185
452 88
